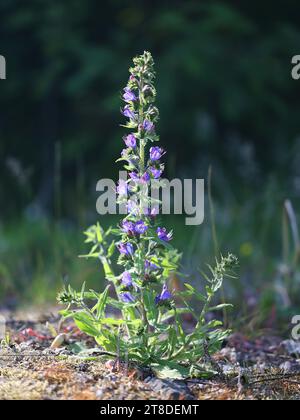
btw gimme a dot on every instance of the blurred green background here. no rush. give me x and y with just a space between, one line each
226 98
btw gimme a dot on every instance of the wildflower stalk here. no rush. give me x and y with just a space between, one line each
142 168
150 330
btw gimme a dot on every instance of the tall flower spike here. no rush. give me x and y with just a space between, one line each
147 260
143 164
139 96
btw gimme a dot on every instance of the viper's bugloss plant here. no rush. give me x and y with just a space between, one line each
150 329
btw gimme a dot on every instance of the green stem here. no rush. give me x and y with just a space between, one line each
142 169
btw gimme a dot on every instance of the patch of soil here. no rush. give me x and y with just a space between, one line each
264 368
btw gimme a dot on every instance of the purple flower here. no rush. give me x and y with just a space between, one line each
134 176
128 112
122 187
156 153
129 96
127 297
140 227
128 227
163 234
156 172
145 178
126 279
130 141
148 125
126 249
150 265
164 296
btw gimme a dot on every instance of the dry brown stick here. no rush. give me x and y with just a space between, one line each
275 378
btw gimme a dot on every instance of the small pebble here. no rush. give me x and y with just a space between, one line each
286 367
58 341
99 393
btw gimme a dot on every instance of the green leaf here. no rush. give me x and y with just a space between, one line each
85 323
112 321
202 371
213 324
170 370
65 313
82 291
99 233
151 308
172 339
90 234
220 307
101 304
115 303
106 267
111 250
92 253
195 293
95 255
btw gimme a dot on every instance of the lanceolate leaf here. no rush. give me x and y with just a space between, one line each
220 307
170 370
101 304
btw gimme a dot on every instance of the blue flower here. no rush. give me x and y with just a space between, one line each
156 153
148 125
134 176
127 297
156 172
126 279
130 141
145 178
140 227
128 227
150 265
129 96
128 112
163 234
165 295
126 249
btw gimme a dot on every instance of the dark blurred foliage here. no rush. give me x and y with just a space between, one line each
225 92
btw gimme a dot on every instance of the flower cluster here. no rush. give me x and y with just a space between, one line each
144 164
